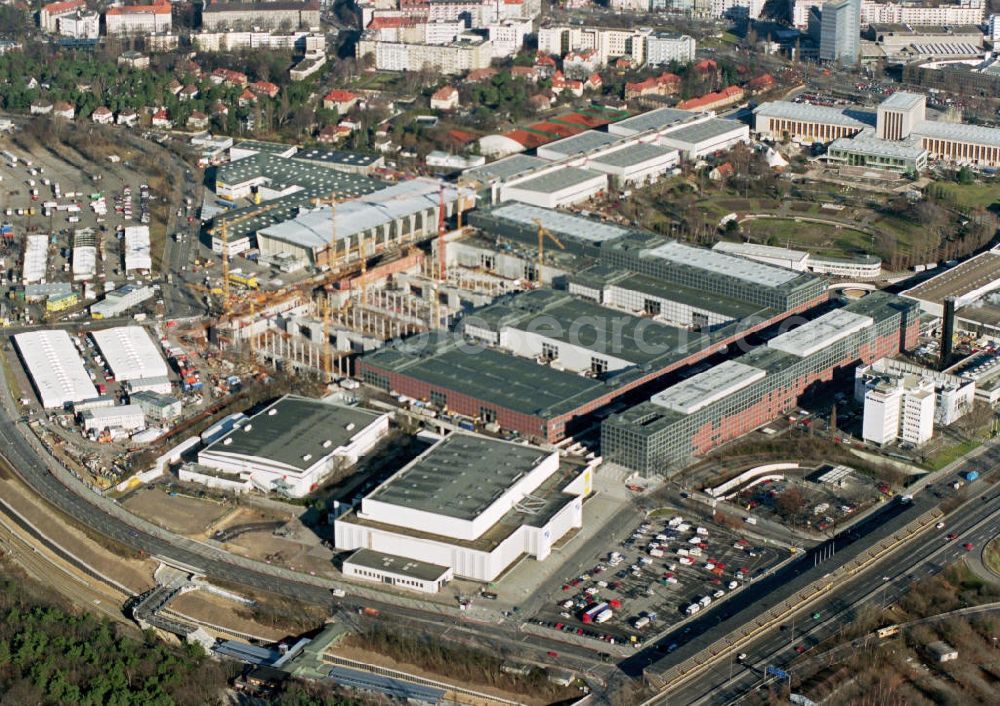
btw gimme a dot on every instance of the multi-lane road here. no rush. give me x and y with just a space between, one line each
976 522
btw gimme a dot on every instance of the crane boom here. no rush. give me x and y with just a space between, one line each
542 233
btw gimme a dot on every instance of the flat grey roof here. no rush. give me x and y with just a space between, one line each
653 120
460 476
262 146
558 179
400 565
583 323
560 223
962 279
903 100
868 144
354 159
820 333
705 388
632 155
504 168
294 428
816 113
584 142
723 264
704 130
515 383
960 132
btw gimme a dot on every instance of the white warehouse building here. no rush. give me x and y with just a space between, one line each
472 504
131 355
294 443
55 368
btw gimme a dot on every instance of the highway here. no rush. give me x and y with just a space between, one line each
977 521
70 496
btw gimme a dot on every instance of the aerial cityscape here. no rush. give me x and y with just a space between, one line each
500 352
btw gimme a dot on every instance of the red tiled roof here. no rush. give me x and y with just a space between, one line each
733 92
162 7
462 136
338 96
57 7
481 74
706 65
392 22
444 93
762 81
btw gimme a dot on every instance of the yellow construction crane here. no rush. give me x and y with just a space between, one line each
542 232
227 301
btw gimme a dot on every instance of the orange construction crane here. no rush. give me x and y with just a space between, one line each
542 232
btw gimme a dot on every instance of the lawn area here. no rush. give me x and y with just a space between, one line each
971 196
991 555
951 454
818 238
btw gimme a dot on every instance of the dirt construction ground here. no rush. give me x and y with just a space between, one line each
193 517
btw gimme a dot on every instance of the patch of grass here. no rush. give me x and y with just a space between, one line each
991 555
950 454
971 196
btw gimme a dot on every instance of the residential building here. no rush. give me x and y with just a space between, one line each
276 15
942 13
994 30
445 98
64 110
82 24
447 59
663 47
607 44
102 115
508 36
49 15
132 20
666 84
133 59
341 101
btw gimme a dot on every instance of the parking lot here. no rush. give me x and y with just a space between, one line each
61 193
821 499
671 567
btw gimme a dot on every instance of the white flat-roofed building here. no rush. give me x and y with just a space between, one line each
130 353
708 387
55 368
472 504
563 186
880 424
156 406
294 443
121 300
815 335
84 262
664 47
954 395
159 384
36 259
128 418
869 152
699 139
658 120
636 163
721 263
398 571
576 145
769 254
808 123
136 248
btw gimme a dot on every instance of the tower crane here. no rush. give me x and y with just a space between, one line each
542 232
227 301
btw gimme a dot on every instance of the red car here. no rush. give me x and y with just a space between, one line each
967 546
800 649
952 537
550 653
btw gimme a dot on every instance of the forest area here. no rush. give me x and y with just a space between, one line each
54 653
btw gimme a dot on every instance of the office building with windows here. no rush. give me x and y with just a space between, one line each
704 411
